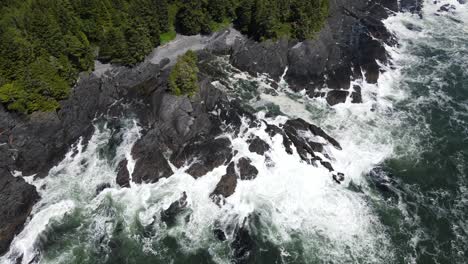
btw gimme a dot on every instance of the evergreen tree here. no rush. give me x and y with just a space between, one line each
217 9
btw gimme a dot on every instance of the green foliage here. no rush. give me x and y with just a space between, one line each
265 19
44 44
183 79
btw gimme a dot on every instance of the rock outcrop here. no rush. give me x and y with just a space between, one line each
349 46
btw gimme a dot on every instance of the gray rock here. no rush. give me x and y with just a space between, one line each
226 186
17 198
151 165
246 170
258 146
336 96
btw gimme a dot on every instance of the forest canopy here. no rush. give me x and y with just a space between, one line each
44 44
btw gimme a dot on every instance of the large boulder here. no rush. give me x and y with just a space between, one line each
203 155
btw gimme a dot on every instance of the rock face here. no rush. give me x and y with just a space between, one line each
17 198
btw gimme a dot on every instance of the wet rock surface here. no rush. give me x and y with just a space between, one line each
203 155
336 96
17 199
226 186
169 216
123 176
351 42
246 170
258 146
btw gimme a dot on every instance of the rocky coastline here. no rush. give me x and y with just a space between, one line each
350 46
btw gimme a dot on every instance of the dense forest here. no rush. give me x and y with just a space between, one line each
44 44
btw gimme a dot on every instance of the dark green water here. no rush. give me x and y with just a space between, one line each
431 185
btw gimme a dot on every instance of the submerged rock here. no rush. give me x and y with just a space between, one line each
169 216
101 187
243 246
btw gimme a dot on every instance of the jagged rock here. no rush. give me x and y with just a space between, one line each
273 130
327 165
300 124
335 97
151 166
246 170
17 199
206 155
226 186
258 146
169 216
123 176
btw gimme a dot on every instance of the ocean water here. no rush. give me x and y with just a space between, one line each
405 157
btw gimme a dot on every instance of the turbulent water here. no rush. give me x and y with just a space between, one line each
405 157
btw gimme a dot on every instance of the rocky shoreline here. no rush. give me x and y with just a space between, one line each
347 48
